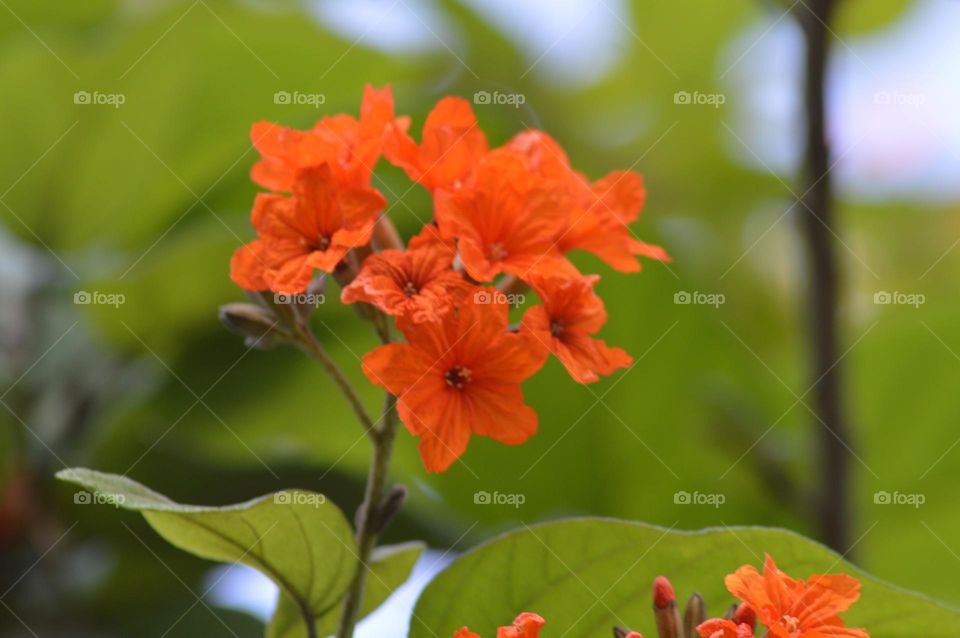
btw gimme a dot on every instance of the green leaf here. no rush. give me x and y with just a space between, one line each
586 575
299 540
391 566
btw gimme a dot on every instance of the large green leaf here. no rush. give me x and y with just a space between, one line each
586 575
299 540
390 567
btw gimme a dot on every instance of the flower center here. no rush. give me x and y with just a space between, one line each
321 242
497 252
410 289
556 328
457 377
792 624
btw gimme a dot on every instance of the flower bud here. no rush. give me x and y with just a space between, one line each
663 593
694 615
259 327
303 305
385 235
745 615
665 609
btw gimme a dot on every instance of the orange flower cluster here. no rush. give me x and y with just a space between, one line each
504 218
788 607
526 625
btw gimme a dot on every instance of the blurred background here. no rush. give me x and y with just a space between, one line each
124 190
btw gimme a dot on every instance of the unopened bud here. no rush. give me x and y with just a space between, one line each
665 609
385 235
303 305
694 615
731 612
317 285
390 506
745 615
663 593
346 271
260 328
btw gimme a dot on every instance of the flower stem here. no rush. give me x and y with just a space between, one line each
309 344
368 523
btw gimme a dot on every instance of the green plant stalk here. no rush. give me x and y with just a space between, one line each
308 342
381 434
368 524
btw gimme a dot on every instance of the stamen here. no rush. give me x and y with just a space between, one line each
410 289
792 623
498 252
556 328
457 377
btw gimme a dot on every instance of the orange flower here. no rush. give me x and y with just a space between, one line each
793 608
600 213
312 229
566 322
526 625
419 284
506 219
452 144
721 628
458 377
349 145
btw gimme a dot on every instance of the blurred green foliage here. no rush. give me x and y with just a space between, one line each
150 199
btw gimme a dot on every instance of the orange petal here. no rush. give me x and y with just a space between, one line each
247 266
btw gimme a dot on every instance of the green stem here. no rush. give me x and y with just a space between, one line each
381 435
308 342
311 622
368 524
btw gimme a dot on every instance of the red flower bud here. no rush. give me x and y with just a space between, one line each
663 593
745 615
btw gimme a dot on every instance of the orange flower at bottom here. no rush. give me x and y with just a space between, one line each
722 628
526 625
793 608
566 322
458 377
